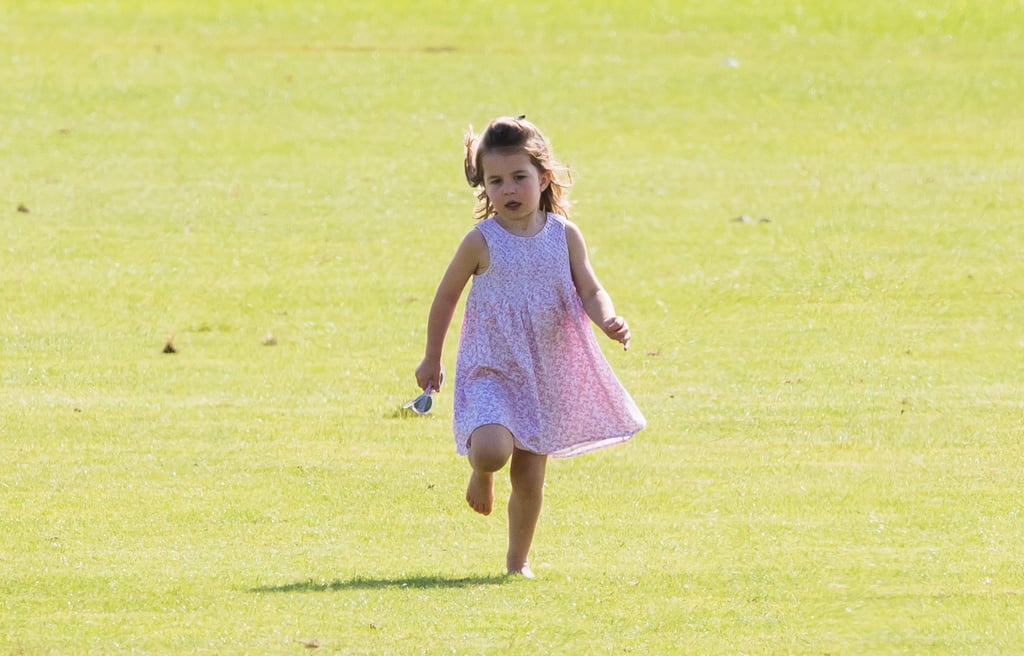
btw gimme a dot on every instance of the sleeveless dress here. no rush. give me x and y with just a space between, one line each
528 358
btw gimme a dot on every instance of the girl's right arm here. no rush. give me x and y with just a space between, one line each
470 258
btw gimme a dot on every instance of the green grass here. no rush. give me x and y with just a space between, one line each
833 458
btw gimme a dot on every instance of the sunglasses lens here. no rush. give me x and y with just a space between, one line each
423 404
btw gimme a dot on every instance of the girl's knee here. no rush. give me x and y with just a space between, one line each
490 447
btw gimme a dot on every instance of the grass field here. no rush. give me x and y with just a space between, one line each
833 463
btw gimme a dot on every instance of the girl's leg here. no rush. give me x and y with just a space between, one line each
490 447
527 475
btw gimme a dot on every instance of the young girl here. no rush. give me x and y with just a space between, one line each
530 378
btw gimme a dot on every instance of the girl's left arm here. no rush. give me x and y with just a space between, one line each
467 260
596 301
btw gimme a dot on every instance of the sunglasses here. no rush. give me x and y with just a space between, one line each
423 403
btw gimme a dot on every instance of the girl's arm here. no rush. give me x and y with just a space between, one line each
596 301
469 258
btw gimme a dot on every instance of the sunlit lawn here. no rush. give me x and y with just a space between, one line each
834 395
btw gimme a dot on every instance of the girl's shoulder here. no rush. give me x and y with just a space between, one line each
558 218
574 240
565 222
571 229
485 227
475 237
472 255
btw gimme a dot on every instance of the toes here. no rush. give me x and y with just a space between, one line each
482 508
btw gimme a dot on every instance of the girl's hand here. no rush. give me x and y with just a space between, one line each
617 329
429 373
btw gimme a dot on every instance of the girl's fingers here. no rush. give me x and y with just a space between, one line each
429 375
431 381
618 329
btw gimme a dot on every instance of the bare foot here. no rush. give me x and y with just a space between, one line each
523 571
480 493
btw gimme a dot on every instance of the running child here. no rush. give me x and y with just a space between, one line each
530 378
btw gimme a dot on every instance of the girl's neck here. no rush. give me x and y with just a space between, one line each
524 227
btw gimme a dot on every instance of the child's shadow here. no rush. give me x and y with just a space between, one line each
361 583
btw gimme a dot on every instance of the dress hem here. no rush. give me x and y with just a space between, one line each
566 452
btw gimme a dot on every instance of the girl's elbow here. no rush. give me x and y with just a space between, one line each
597 294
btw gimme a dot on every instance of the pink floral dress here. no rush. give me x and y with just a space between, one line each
528 358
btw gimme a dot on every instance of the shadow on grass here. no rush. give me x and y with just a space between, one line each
360 583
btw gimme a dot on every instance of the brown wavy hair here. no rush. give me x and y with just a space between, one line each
516 134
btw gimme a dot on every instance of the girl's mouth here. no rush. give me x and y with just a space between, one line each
513 205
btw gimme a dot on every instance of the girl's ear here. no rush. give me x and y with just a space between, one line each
545 180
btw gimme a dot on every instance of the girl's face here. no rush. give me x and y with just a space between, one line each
513 184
